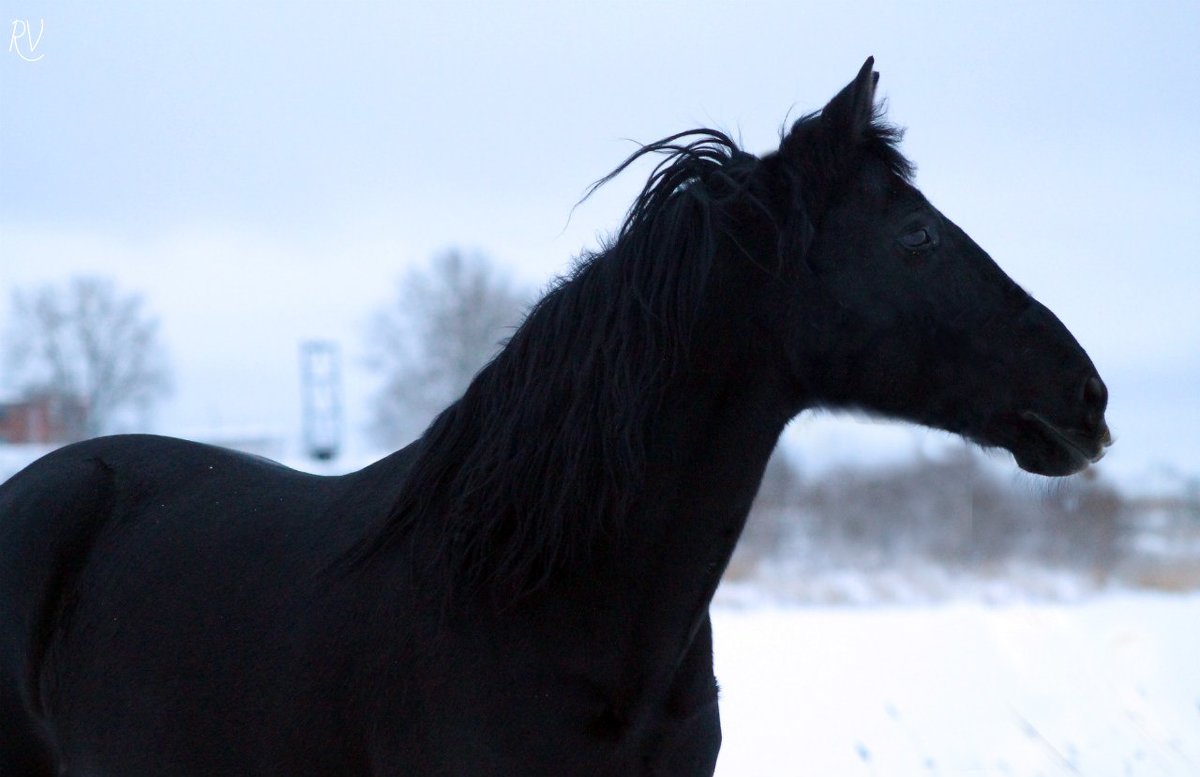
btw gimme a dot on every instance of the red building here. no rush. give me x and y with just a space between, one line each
41 419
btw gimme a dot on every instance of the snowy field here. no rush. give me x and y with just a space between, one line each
1108 686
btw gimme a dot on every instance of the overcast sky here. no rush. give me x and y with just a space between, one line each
262 172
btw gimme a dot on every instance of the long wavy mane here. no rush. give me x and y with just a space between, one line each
545 450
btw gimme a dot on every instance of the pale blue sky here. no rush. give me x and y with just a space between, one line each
263 171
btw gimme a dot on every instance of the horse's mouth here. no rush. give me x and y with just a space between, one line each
1070 450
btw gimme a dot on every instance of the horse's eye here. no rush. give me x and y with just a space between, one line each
916 240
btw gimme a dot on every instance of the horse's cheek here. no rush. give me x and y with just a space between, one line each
691 748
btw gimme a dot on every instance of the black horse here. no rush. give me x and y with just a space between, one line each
525 589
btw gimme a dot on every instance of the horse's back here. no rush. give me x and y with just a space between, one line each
153 587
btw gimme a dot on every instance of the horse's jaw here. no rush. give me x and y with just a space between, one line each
1057 451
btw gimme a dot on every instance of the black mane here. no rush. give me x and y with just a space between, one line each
545 449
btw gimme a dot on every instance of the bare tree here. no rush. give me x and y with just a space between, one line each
88 347
446 321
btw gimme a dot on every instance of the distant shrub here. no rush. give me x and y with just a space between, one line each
953 512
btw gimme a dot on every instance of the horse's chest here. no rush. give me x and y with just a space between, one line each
495 722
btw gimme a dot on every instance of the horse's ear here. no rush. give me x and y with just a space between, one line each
849 113
824 142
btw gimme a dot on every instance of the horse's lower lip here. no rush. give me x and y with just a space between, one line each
1066 440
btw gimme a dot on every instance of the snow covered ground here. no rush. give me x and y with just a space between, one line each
1109 686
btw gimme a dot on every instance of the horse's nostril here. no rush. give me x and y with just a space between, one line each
1095 395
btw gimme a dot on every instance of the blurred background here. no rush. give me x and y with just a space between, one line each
298 228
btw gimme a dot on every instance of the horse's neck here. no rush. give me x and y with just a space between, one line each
708 449
704 471
706 458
